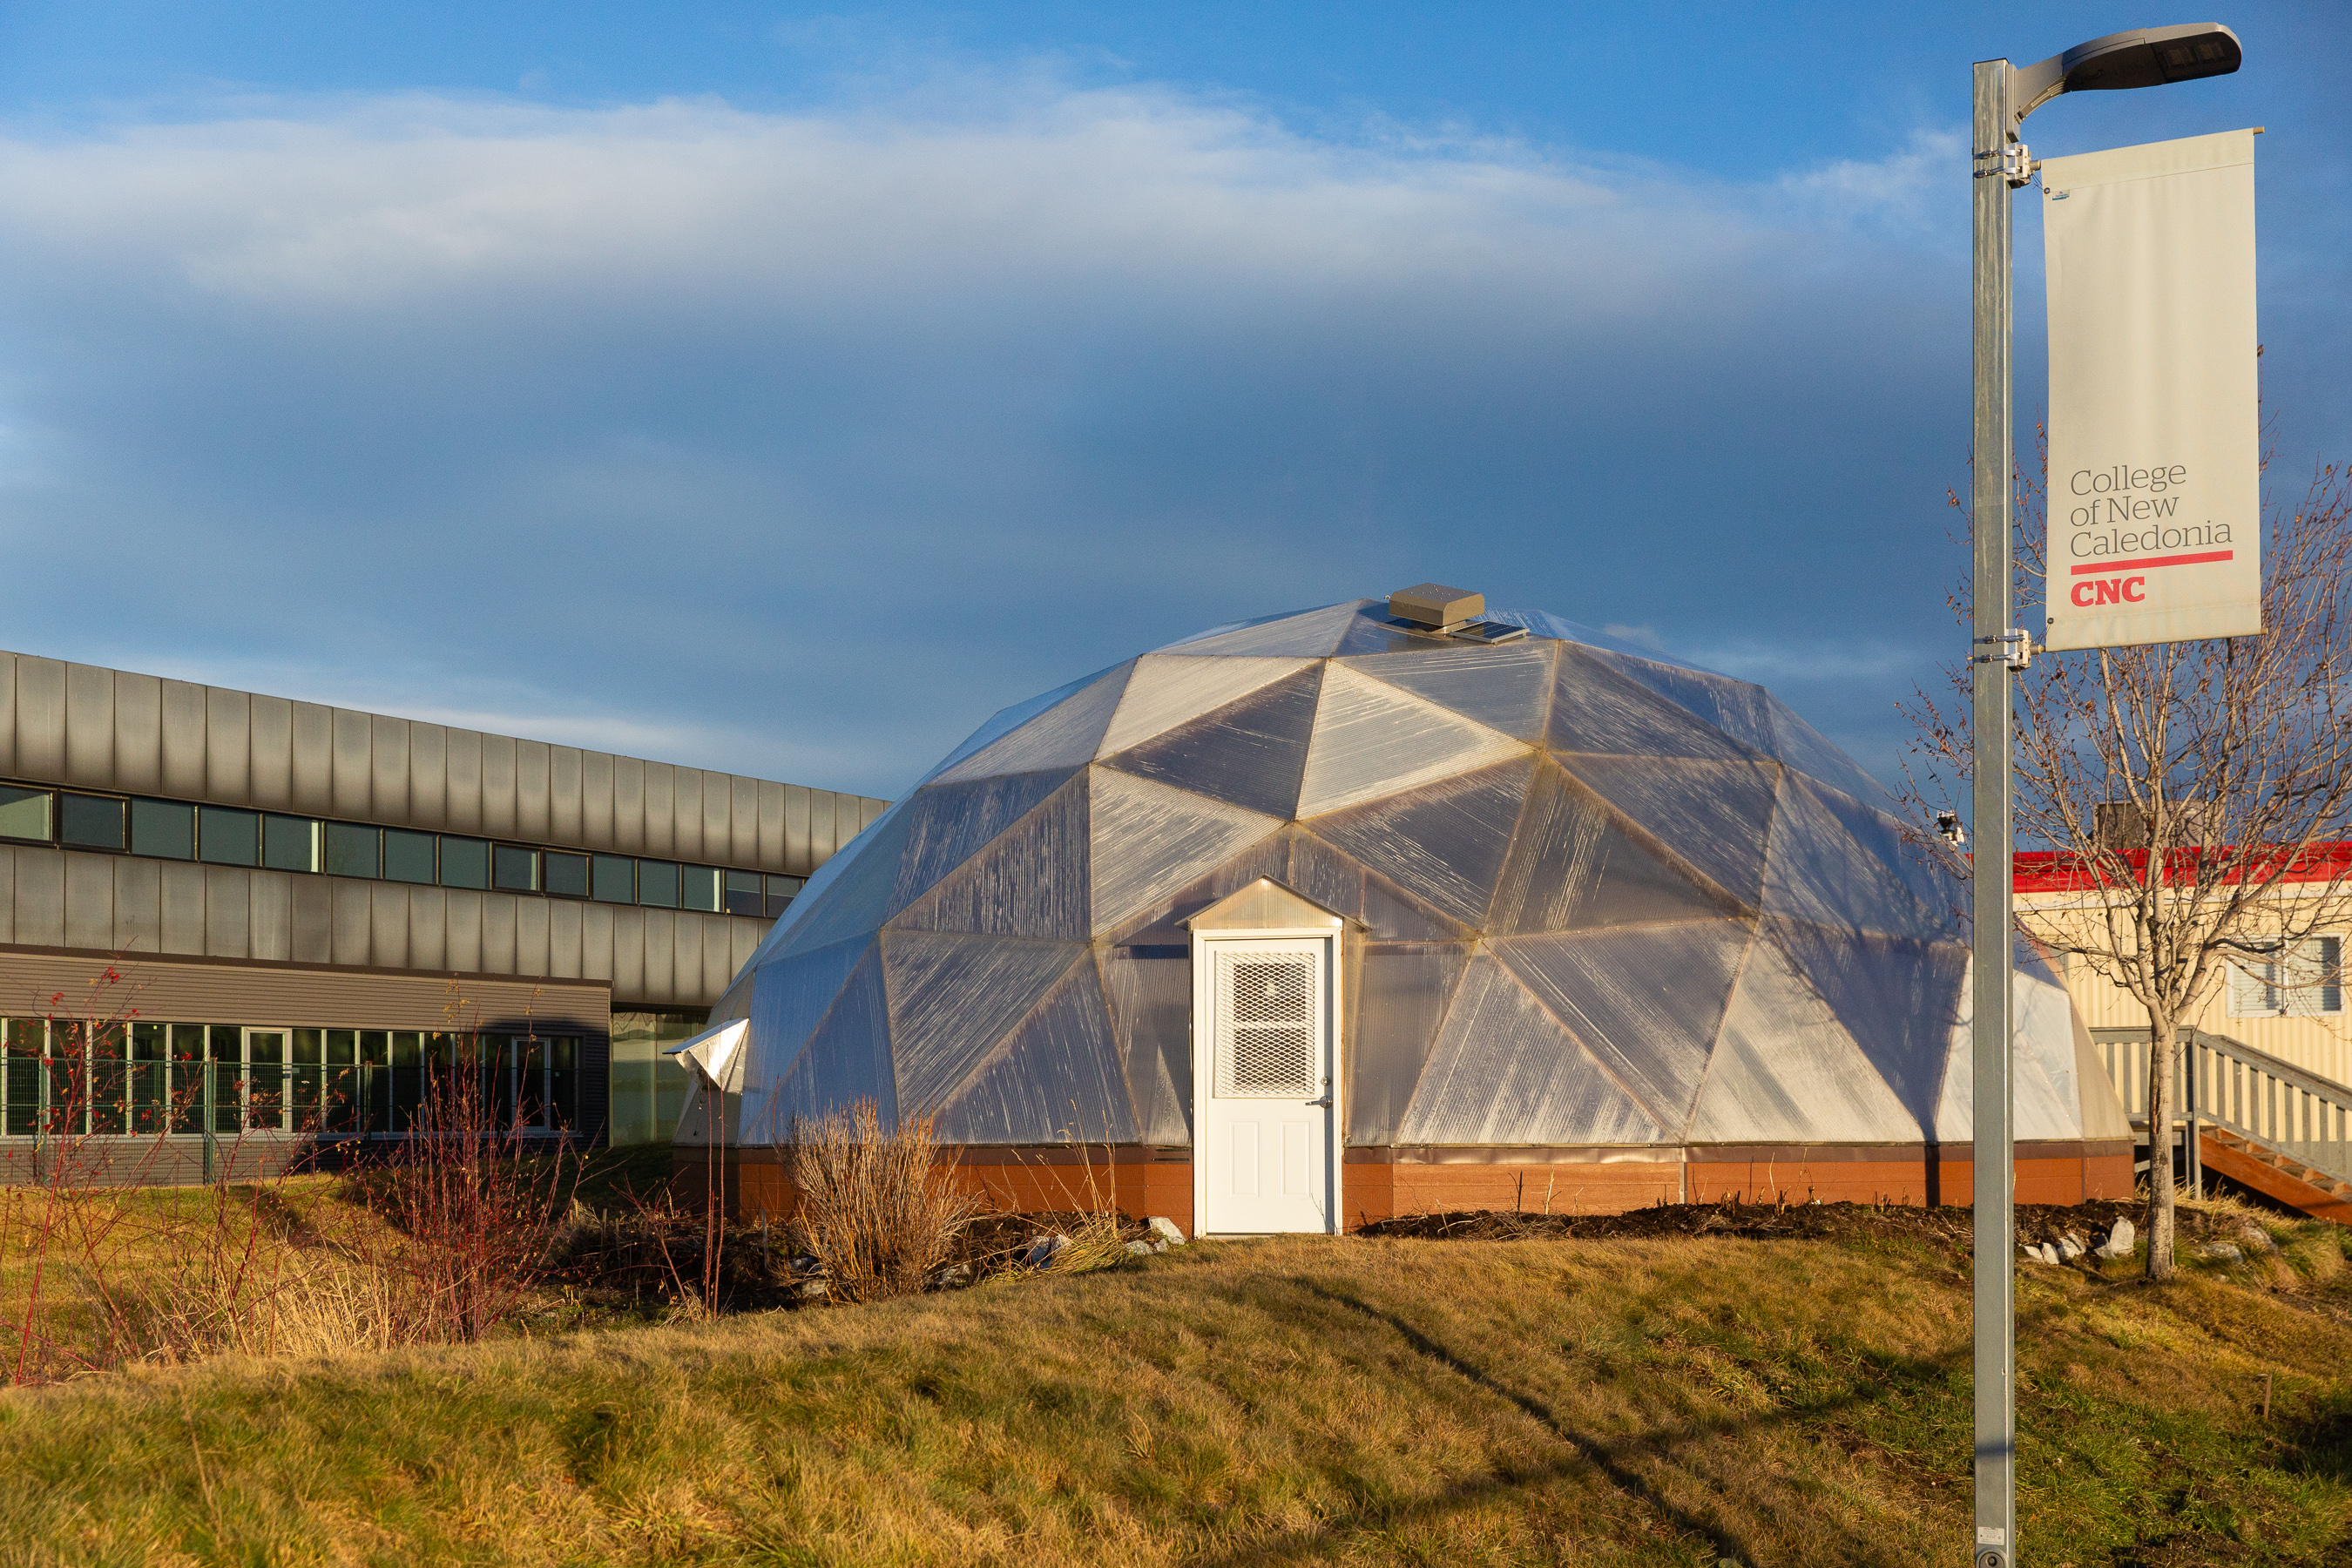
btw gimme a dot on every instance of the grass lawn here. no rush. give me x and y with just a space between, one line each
1646 1400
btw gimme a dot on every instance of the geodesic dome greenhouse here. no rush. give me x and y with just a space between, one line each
1588 902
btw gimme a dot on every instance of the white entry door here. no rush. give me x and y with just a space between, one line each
1264 1077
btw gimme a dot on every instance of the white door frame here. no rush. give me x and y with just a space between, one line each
1335 1078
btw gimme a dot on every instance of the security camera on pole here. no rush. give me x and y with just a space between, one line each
2155 593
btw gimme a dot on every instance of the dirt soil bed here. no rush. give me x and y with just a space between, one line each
1773 1222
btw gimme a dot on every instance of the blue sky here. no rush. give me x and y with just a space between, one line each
785 389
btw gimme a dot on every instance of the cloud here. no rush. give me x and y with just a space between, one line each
815 436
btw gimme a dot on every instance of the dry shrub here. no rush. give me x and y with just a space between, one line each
876 1208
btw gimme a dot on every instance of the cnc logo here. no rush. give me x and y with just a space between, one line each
2091 592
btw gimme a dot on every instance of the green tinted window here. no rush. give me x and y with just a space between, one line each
615 879
516 870
225 838
407 857
91 822
699 887
464 863
163 828
566 875
24 813
743 895
658 883
353 850
290 843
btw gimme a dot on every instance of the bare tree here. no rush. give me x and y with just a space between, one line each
2190 791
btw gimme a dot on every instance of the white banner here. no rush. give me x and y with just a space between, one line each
2155 424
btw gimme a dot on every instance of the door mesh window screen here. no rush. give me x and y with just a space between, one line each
1266 1049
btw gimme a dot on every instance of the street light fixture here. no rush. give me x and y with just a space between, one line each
2004 96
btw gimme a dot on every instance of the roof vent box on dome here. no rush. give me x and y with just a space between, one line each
1436 607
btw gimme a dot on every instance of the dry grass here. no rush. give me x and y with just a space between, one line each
1636 1400
877 1209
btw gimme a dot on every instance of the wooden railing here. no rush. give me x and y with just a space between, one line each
2224 1083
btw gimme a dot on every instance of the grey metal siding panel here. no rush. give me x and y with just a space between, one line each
41 898
40 718
269 909
661 804
388 769
314 920
428 776
848 820
596 800
597 922
685 813
8 854
771 828
464 762
797 859
498 813
567 940
138 906
273 753
428 928
629 806
138 734
718 956
89 726
183 739
822 820
353 921
869 807
563 808
463 942
228 914
388 925
184 908
531 936
743 820
229 746
354 767
90 901
627 970
660 973
499 912
313 752
686 957
8 715
532 798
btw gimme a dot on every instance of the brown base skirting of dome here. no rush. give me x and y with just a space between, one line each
1385 1183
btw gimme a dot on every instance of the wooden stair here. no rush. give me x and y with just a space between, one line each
2282 1177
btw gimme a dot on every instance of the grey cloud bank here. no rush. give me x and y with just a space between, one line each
567 421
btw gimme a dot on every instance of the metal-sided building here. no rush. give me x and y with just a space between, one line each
320 900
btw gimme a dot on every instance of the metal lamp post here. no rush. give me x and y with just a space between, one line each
2005 95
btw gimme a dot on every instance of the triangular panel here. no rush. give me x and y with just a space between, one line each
1503 1071
1056 1080
1169 690
1786 1071
847 1060
1309 634
1597 707
1646 1000
1817 872
1572 866
1881 835
1029 880
1250 753
1897 998
789 997
1372 739
1159 924
1149 840
1404 989
1375 631
1064 736
953 997
948 823
1809 752
1444 842
1151 992
1006 720
1507 688
1716 816
1737 707
856 898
